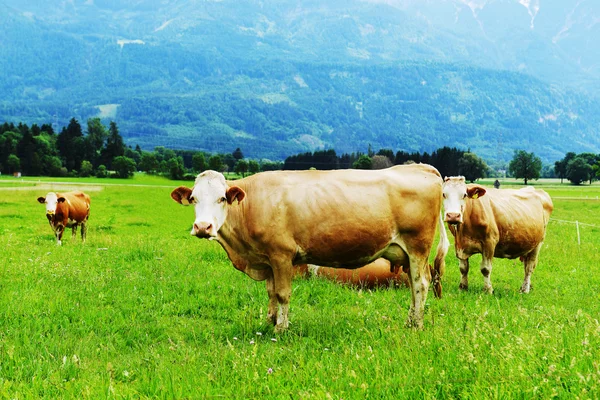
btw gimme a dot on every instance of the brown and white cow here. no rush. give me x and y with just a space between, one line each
343 218
378 274
501 223
67 210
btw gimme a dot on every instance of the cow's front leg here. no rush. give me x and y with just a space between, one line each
74 230
464 273
419 285
486 271
273 304
282 277
59 233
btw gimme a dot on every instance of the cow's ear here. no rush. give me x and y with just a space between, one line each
182 195
61 199
235 193
475 191
42 200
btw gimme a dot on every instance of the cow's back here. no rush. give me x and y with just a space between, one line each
76 206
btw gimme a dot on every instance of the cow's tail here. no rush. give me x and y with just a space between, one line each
439 265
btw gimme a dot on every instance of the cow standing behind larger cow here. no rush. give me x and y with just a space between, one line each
343 218
501 223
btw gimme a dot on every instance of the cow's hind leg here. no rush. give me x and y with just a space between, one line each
74 230
419 284
529 264
83 231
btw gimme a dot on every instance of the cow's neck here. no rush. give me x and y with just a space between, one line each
238 250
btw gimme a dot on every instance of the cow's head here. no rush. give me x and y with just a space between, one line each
51 200
211 197
456 192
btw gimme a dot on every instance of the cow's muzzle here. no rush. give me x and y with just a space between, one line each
453 218
203 230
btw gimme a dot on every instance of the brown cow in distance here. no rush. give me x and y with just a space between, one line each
340 218
500 223
67 210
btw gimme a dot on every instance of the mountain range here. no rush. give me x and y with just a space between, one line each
277 77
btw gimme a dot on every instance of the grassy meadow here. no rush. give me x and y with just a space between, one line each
144 310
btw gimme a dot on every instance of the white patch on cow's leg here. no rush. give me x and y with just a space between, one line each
464 272
59 234
486 271
273 304
282 318
419 285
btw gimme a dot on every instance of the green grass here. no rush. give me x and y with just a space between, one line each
143 310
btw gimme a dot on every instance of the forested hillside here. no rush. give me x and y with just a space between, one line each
275 79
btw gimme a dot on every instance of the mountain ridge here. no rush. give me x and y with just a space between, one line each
282 79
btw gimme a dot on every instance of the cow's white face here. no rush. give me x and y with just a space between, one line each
51 200
455 193
211 197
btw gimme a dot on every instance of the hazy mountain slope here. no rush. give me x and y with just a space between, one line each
281 77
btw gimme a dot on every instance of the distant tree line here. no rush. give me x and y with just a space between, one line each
101 152
450 161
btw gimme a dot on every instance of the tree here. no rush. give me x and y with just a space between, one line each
13 164
471 167
241 167
215 163
199 162
176 169
95 139
148 163
115 146
363 162
86 169
380 162
101 171
123 166
560 167
70 145
578 170
253 166
525 165
237 154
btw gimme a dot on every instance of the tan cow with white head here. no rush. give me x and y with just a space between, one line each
501 223
344 218
67 210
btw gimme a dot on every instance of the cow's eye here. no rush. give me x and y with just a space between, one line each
444 195
464 196
222 199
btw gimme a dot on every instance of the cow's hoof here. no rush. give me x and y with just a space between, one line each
463 286
280 328
272 319
488 290
525 289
